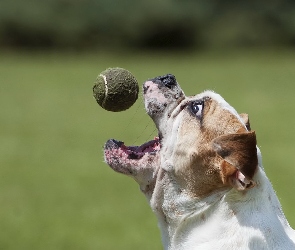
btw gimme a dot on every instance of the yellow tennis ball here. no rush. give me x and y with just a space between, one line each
115 89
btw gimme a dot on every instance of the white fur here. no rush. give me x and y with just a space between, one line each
195 210
252 222
224 220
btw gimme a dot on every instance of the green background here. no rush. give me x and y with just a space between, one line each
55 190
166 24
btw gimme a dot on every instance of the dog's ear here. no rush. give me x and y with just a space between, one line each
239 158
245 118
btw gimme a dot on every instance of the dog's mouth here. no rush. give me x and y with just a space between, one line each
133 152
125 159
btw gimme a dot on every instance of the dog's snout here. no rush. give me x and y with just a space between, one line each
168 80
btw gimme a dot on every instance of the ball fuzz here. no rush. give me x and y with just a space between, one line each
115 89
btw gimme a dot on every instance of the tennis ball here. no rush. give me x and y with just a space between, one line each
115 89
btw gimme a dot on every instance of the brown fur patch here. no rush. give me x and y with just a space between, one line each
227 170
240 150
201 168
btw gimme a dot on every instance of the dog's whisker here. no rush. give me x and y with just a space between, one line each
151 134
144 129
133 116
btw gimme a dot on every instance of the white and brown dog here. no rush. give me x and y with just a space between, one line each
203 175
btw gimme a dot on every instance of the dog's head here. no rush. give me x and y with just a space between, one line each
204 145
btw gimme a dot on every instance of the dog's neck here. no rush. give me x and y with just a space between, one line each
201 220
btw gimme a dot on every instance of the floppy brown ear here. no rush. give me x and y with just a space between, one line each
233 176
239 155
245 118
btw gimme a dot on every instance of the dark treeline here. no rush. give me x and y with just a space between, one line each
146 23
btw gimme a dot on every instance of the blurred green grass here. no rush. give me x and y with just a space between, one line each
55 190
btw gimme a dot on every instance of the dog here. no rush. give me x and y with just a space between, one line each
202 175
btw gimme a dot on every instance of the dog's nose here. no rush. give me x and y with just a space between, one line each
168 80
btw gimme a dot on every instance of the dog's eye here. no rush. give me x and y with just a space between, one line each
197 108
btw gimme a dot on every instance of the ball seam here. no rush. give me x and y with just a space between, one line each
106 89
